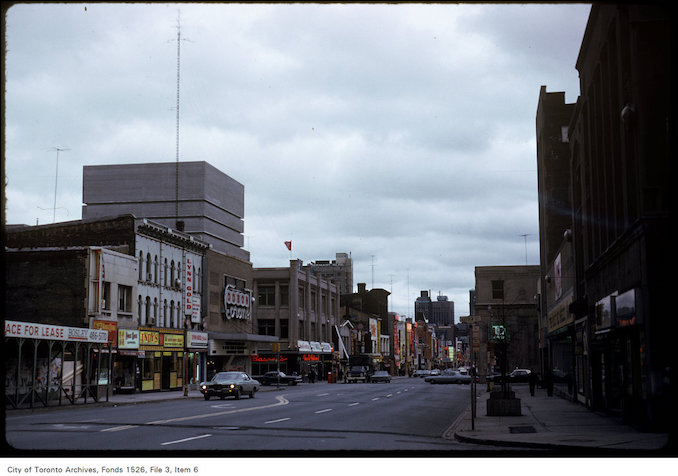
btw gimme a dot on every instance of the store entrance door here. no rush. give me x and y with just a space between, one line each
166 367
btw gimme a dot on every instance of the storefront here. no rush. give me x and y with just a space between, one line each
197 343
227 351
161 356
53 365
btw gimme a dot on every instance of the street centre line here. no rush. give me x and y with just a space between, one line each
354 404
276 421
389 395
120 428
375 399
281 401
185 439
322 394
325 410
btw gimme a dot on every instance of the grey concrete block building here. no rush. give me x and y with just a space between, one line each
209 204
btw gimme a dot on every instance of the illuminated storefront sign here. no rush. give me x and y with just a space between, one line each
188 286
197 340
237 304
262 359
156 340
128 339
310 357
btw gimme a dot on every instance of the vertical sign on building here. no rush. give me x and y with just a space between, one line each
188 288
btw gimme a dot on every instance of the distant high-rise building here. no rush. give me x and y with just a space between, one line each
339 271
439 312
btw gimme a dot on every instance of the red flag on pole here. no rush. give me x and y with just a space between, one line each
289 245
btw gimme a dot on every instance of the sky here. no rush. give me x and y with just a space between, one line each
403 134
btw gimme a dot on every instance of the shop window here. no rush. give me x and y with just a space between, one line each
124 298
147 370
266 296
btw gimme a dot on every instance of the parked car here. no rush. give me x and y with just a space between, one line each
421 373
435 372
233 383
380 376
273 377
520 375
358 373
449 376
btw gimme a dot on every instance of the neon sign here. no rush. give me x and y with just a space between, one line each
310 358
259 358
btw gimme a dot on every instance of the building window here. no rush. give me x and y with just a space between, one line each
148 267
165 316
266 327
301 330
323 303
172 311
164 273
106 296
155 270
172 275
314 297
284 295
155 310
266 296
302 300
147 311
124 298
141 265
498 289
284 329
313 331
140 309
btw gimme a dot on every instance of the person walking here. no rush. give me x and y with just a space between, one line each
533 382
311 375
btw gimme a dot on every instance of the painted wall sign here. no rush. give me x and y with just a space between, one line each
48 331
109 326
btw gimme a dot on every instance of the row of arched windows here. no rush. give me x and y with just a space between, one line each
149 272
151 313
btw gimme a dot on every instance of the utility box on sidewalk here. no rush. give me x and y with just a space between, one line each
503 404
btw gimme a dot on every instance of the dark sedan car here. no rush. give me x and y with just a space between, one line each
273 377
225 384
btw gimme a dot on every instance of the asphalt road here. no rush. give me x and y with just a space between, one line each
405 415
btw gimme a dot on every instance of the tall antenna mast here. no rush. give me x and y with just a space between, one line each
176 184
56 180
176 170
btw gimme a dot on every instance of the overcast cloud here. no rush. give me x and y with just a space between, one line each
403 134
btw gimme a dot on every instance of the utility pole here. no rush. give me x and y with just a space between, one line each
525 235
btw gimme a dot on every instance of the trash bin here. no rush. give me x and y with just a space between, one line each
329 377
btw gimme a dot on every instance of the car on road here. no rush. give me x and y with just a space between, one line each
421 373
449 376
226 384
380 376
435 372
358 373
273 377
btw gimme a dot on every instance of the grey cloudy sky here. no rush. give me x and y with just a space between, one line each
403 134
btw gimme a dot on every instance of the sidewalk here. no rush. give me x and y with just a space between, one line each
554 423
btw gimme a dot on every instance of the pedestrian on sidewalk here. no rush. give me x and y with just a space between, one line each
533 382
311 375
